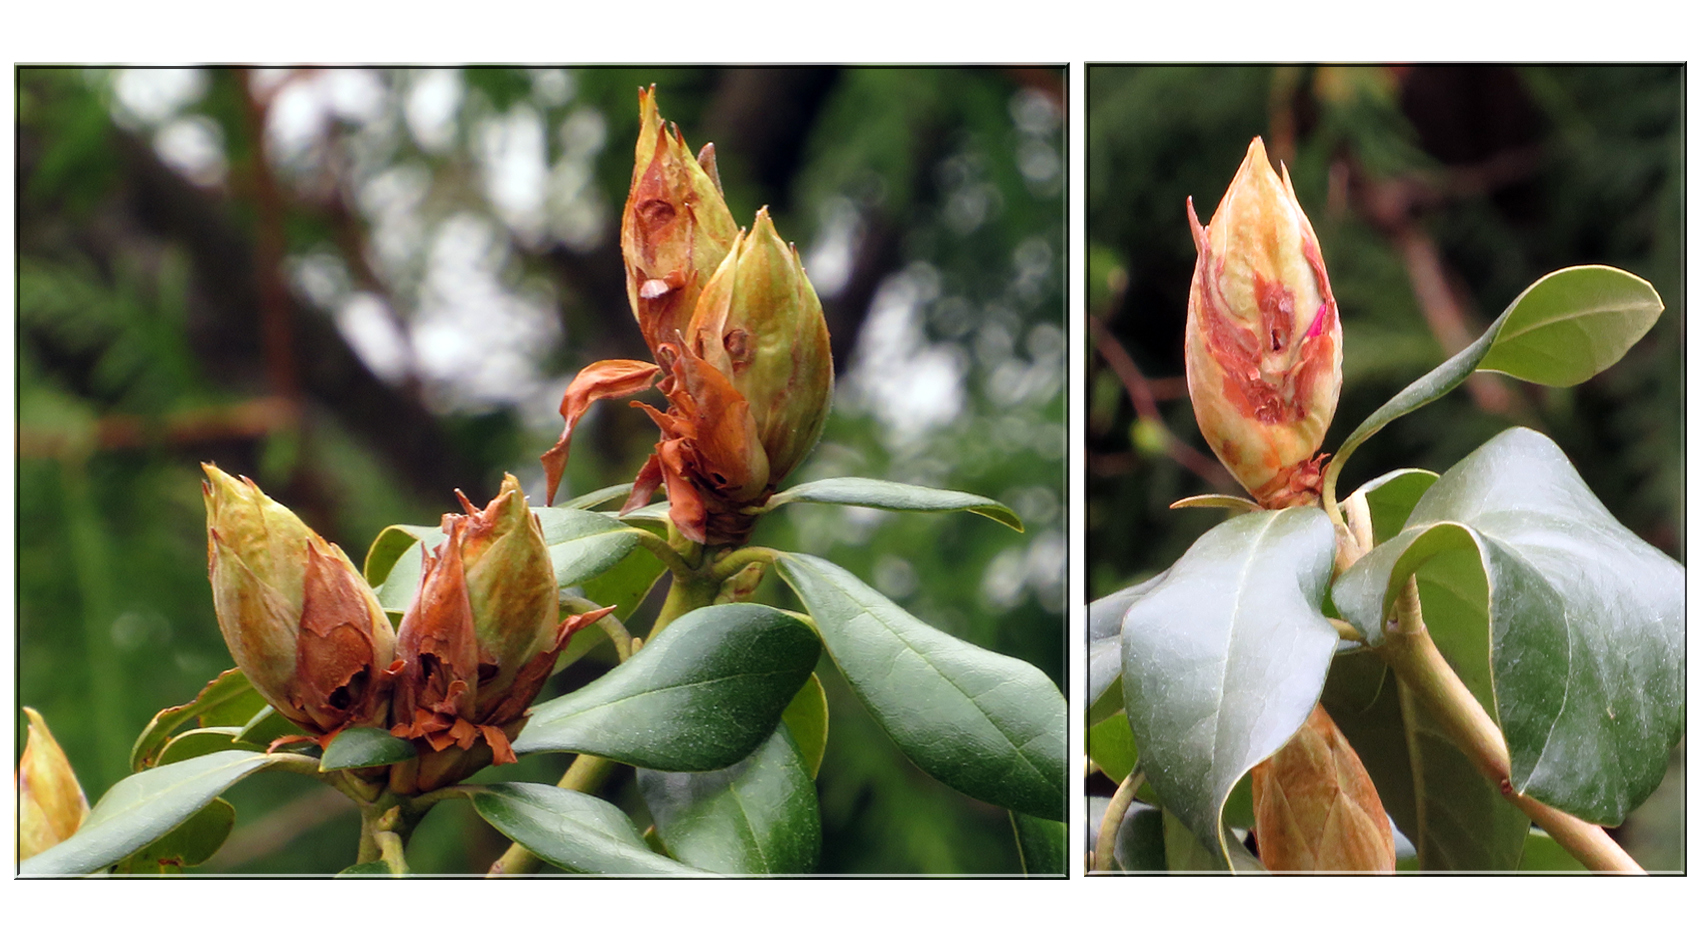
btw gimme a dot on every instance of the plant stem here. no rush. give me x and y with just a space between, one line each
738 560
1411 653
1104 850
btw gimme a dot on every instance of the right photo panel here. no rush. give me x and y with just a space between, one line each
1385 468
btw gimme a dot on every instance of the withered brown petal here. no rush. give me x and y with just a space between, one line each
335 655
649 479
612 378
685 503
1316 809
729 450
437 644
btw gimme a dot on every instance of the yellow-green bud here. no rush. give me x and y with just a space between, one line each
1263 336
760 323
51 805
299 619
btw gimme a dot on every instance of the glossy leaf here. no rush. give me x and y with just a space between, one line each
1139 844
224 698
1572 325
1565 327
266 726
142 808
758 816
988 725
896 497
391 545
188 845
1110 743
1236 505
1542 853
1391 497
359 747
1224 659
1104 648
1184 852
202 741
591 500
1042 844
574 831
1579 624
584 544
622 586
806 718
700 696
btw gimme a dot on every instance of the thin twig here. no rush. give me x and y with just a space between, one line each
1104 849
1146 406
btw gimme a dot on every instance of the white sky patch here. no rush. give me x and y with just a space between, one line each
370 328
910 384
149 96
511 155
830 259
433 100
475 338
193 146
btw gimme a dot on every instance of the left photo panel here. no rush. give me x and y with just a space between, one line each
639 472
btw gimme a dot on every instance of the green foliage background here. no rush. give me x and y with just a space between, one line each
1505 173
139 314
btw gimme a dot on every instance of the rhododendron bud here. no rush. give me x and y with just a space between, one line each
299 619
760 324
676 227
1263 336
481 636
51 805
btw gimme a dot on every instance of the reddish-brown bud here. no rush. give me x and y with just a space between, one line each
1263 336
299 619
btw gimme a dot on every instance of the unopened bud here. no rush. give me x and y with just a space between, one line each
676 227
1263 336
51 805
299 619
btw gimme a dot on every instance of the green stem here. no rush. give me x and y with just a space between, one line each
733 562
1425 675
665 552
1104 850
609 624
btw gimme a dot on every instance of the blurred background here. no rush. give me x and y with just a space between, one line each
365 288
1438 194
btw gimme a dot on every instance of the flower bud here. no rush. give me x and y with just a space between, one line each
676 227
760 324
1263 336
299 619
51 805
481 636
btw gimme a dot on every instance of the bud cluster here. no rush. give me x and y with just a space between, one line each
738 338
475 647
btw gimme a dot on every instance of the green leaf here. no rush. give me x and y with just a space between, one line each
140 809
1139 844
359 747
1567 326
1572 325
591 500
625 585
987 725
1542 853
1110 743
1457 817
1043 845
1184 852
896 497
187 845
391 545
1104 648
806 718
1391 497
1236 505
573 831
266 726
584 544
758 816
369 869
402 575
202 741
1577 623
1224 659
700 696
225 698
